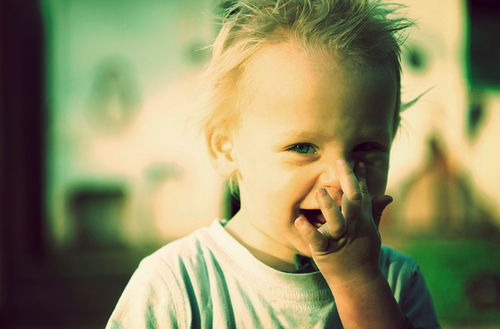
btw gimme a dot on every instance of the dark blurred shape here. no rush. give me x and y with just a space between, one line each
157 173
476 115
231 200
22 137
115 97
197 54
415 58
484 29
483 291
96 213
38 287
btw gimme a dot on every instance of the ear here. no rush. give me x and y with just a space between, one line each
221 153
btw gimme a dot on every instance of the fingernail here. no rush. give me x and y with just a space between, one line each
321 192
299 221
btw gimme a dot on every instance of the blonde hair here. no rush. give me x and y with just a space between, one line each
365 31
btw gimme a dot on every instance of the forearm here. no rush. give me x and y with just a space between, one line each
369 305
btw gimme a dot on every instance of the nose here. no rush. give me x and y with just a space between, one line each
330 178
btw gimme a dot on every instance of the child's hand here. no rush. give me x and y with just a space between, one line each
346 248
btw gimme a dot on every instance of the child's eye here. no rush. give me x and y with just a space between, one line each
368 147
303 148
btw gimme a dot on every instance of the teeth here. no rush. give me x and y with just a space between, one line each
318 225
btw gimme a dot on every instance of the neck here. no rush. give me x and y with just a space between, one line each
253 240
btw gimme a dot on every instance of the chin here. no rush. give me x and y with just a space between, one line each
304 250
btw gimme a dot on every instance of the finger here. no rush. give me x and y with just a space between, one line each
352 198
360 172
336 225
379 203
318 241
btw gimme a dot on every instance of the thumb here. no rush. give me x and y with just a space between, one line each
379 203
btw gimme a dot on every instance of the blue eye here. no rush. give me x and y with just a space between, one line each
368 147
303 148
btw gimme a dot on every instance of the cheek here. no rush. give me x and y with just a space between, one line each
274 188
261 181
376 179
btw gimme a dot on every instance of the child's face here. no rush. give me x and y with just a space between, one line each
304 113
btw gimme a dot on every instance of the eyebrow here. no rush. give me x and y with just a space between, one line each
379 134
300 135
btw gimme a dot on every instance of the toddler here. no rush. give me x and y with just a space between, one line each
303 106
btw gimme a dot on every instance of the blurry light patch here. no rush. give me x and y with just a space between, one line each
434 60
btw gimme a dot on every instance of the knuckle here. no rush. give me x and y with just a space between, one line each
337 232
334 227
356 196
361 177
360 172
342 227
348 170
320 245
310 234
328 204
364 189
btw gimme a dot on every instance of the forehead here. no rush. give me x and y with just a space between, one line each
285 83
284 69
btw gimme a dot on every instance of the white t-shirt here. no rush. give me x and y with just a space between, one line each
209 280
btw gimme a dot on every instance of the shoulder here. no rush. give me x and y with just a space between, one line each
181 262
158 291
409 287
399 269
392 261
187 249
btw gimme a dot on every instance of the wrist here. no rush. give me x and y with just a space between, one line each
367 302
365 276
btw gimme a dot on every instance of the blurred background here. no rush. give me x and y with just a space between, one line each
100 165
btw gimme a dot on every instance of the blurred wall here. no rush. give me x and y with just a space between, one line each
124 166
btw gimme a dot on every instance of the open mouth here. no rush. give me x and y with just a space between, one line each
313 216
